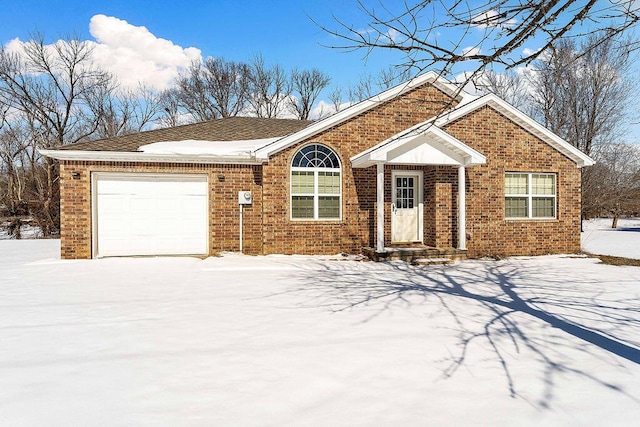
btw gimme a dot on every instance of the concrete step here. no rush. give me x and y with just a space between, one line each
432 261
408 254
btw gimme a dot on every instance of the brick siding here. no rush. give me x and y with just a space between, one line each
509 148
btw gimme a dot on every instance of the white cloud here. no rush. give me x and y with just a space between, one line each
491 18
324 109
14 45
134 54
392 35
470 51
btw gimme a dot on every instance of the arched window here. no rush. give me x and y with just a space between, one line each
315 183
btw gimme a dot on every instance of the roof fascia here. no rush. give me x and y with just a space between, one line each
133 156
430 77
521 119
473 156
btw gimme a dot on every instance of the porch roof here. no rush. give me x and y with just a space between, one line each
424 144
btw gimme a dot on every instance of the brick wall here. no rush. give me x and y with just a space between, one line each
357 226
509 148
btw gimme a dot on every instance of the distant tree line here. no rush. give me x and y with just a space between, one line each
218 88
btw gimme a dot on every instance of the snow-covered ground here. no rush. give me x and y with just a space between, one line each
280 340
624 241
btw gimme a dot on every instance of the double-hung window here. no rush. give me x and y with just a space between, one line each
316 188
530 195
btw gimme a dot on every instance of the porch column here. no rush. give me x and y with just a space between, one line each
380 209
462 210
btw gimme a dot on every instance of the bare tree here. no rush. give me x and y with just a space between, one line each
435 34
269 89
612 186
509 86
335 97
170 104
306 86
391 76
122 111
363 89
368 85
14 142
45 86
219 88
580 90
213 89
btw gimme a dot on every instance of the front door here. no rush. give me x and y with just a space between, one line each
406 212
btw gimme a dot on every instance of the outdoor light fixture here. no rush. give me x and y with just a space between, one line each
75 175
221 177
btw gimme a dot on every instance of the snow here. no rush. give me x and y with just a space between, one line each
209 148
27 232
624 241
296 340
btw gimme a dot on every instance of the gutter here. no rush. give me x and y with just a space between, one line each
141 157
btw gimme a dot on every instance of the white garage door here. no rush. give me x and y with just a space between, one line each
150 214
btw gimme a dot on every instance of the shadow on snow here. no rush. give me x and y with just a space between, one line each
500 296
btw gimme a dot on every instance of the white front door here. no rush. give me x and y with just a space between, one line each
406 207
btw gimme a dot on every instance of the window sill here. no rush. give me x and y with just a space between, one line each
548 219
315 221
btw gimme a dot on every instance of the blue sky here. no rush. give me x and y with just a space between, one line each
139 41
281 30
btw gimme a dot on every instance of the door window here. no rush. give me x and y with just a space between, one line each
405 192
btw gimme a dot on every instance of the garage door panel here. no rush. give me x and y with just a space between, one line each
192 206
151 215
166 206
141 205
111 228
112 203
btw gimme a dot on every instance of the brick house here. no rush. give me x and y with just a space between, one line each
482 177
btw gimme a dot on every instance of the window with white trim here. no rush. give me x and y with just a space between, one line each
530 195
316 188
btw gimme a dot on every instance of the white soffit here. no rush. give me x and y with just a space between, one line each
137 156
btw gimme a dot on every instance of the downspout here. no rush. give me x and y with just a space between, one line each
462 209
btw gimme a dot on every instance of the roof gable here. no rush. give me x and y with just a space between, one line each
287 132
518 117
430 77
421 146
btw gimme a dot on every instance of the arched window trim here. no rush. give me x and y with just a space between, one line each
311 196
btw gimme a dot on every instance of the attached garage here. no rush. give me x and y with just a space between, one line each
149 214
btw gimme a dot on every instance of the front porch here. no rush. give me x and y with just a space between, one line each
421 146
413 253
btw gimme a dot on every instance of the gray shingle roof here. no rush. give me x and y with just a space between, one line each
227 129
